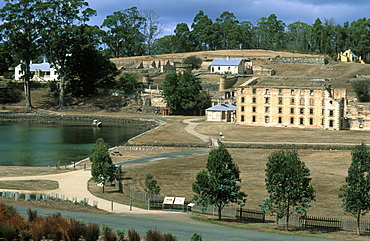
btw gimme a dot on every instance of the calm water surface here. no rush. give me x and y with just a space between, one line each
30 144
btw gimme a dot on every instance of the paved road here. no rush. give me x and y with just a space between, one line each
183 230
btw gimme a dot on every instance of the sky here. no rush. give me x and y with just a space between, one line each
172 12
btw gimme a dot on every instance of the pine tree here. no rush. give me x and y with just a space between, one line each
356 193
151 186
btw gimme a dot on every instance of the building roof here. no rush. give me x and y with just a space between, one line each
43 67
227 62
222 107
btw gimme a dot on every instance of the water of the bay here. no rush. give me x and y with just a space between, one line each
30 144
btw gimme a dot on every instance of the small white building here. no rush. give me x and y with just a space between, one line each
221 113
40 72
227 66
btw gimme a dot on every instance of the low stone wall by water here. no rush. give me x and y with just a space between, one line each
42 117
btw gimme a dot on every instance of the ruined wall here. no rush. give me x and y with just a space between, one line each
301 60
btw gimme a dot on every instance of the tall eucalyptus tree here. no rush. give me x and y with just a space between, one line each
60 19
21 32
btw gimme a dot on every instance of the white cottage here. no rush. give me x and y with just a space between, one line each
227 66
221 113
40 72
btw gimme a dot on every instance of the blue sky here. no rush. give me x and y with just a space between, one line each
172 12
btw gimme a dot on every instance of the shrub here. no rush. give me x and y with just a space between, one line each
74 230
24 235
196 237
37 229
133 235
91 232
153 235
121 235
361 89
32 214
108 234
169 237
8 231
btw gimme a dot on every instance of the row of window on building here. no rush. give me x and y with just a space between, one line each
280 101
301 120
292 110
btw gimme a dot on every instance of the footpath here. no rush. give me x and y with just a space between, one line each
73 185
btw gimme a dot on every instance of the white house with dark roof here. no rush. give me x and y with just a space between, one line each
227 66
42 72
221 113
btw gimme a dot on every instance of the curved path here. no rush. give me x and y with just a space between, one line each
73 185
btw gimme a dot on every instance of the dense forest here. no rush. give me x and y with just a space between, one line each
59 31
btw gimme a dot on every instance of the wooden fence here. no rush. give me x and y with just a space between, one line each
251 214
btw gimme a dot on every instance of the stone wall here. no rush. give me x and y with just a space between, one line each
301 60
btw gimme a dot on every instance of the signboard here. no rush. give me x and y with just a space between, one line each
179 200
168 200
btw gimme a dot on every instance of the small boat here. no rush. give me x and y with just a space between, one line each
96 123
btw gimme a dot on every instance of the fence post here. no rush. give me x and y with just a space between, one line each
148 203
130 204
111 205
240 213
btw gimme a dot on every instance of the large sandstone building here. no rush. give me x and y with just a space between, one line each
291 106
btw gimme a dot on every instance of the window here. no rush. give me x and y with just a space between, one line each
301 101
280 101
291 120
254 91
292 92
291 110
280 91
219 68
301 121
311 92
253 109
301 111
311 121
253 118
243 91
253 99
267 109
280 110
311 111
292 101
267 100
331 112
312 102
242 108
267 119
242 100
242 118
280 120
331 123
267 91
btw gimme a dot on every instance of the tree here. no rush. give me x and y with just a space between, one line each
183 93
21 31
218 184
356 191
88 68
288 185
60 20
195 61
124 36
151 186
128 83
361 89
152 28
102 168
